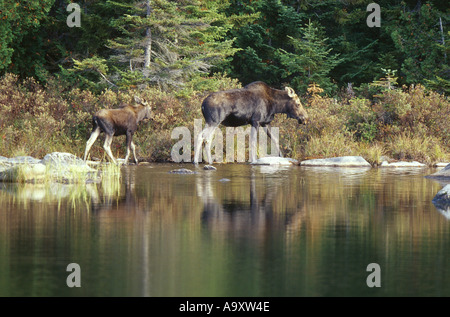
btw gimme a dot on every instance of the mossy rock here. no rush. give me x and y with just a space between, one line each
27 173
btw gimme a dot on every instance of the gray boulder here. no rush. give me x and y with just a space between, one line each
343 161
23 160
182 171
24 172
61 158
57 167
442 173
442 201
68 168
402 164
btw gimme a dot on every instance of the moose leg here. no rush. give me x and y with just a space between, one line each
252 145
209 137
107 147
95 133
267 128
204 135
128 140
133 148
198 147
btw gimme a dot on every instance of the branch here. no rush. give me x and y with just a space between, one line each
104 77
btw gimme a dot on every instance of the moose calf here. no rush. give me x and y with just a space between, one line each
121 121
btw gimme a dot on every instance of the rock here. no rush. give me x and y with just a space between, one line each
442 201
343 161
23 160
209 168
182 171
275 160
68 168
445 172
402 164
24 173
57 158
442 174
7 164
443 194
57 167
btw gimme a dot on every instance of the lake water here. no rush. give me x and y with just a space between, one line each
267 231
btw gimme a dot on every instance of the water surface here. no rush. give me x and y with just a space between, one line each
267 231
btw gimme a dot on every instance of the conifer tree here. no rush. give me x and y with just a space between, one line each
424 46
163 42
261 39
21 44
311 61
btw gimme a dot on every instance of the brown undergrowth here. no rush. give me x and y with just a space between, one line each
404 124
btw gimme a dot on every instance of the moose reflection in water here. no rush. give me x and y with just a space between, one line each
268 231
251 203
245 205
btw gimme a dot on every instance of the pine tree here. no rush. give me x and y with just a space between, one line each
163 43
311 61
424 46
261 39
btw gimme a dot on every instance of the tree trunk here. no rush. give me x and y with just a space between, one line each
148 39
443 38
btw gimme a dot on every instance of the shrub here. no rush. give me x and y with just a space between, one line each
361 119
330 145
408 123
423 148
372 153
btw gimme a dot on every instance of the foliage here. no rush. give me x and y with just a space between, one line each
361 119
386 83
373 91
408 146
311 61
22 46
421 42
401 123
261 40
162 43
168 43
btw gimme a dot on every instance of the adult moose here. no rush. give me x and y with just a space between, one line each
121 121
255 104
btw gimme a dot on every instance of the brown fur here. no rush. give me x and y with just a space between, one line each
255 104
121 121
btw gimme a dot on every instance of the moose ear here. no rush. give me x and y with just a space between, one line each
137 99
290 91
